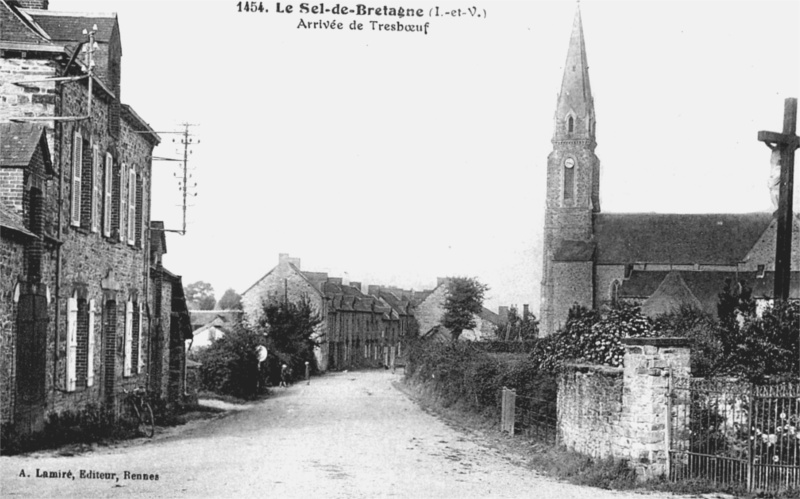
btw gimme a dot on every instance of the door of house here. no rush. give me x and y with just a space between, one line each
32 321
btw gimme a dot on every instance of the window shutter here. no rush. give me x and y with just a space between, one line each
107 195
90 358
123 202
126 366
140 367
72 342
95 188
77 165
132 206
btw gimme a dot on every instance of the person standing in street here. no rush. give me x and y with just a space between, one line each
284 375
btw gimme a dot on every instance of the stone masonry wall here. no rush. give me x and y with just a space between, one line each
589 410
572 284
92 263
589 415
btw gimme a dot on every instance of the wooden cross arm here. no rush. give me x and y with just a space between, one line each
779 138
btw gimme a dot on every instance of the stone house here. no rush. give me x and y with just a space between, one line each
429 309
77 290
210 325
356 328
593 258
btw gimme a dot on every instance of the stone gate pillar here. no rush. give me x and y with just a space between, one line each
647 366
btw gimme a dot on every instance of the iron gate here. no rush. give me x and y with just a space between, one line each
529 416
735 433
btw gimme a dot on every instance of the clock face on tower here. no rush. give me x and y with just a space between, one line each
569 162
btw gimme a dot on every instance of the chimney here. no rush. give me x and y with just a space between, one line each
441 280
285 258
356 285
373 289
33 4
525 312
503 313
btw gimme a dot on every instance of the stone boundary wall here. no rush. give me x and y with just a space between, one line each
622 413
590 408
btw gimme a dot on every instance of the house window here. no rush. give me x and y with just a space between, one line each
80 342
122 202
761 272
77 170
140 222
108 192
131 219
136 349
128 341
87 185
95 200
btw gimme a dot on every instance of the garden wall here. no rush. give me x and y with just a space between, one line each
605 412
590 408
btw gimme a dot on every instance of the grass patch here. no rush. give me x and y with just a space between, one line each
230 399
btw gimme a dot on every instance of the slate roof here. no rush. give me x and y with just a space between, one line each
19 142
11 220
69 26
16 28
666 290
220 318
490 316
641 284
677 238
574 251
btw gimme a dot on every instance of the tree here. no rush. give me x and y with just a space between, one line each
201 294
230 364
291 334
463 301
231 300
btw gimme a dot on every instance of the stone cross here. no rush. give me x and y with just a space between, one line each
786 142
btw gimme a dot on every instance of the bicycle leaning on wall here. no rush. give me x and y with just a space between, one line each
137 398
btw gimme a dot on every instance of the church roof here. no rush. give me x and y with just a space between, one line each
676 239
665 291
641 284
576 93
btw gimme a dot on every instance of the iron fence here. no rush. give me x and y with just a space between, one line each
734 433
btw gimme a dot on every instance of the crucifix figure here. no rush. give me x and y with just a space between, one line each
784 144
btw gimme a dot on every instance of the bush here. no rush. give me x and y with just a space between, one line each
91 424
230 366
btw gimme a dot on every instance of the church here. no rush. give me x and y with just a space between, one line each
661 261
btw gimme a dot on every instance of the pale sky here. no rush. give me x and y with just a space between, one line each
393 158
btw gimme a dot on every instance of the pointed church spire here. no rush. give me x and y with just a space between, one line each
575 100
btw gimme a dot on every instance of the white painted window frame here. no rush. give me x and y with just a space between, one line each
77 167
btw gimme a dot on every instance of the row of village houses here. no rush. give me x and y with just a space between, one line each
356 326
87 309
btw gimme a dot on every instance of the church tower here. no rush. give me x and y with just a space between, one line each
573 192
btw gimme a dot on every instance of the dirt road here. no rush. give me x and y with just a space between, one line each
346 435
